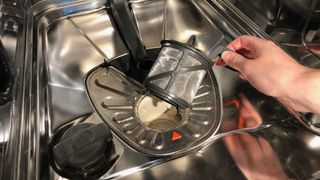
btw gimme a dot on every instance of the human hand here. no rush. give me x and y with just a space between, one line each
272 71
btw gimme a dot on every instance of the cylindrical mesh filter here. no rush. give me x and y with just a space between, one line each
177 73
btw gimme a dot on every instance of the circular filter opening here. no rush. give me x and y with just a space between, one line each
158 114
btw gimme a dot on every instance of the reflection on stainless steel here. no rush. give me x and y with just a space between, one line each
54 56
314 6
263 162
95 40
260 11
10 37
217 161
295 18
299 6
90 41
151 27
311 61
5 131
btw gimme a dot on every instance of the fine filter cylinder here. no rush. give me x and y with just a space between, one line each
177 72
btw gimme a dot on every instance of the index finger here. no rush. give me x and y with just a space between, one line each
245 45
243 42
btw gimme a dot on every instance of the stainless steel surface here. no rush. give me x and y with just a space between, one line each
312 15
244 156
10 37
63 40
299 6
259 11
71 53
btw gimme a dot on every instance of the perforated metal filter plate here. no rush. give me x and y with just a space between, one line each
115 98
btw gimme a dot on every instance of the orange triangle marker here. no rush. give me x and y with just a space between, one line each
176 136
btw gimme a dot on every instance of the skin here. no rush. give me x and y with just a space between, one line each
273 72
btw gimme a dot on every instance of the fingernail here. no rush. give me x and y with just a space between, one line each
219 62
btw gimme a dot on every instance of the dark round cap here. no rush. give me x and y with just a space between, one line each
83 149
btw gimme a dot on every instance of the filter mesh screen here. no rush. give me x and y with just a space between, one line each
185 85
190 61
162 82
167 61
177 73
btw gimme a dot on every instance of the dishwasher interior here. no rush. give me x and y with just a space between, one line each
294 25
55 44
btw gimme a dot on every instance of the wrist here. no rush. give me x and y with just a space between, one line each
303 90
291 78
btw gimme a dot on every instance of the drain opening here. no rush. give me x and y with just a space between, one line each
145 65
159 115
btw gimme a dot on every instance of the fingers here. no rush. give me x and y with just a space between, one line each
242 76
220 62
245 45
235 60
244 42
250 54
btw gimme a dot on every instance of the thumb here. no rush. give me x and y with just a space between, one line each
234 60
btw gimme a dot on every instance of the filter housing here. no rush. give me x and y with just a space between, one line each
177 73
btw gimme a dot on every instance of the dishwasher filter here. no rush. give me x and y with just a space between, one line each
177 72
147 123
